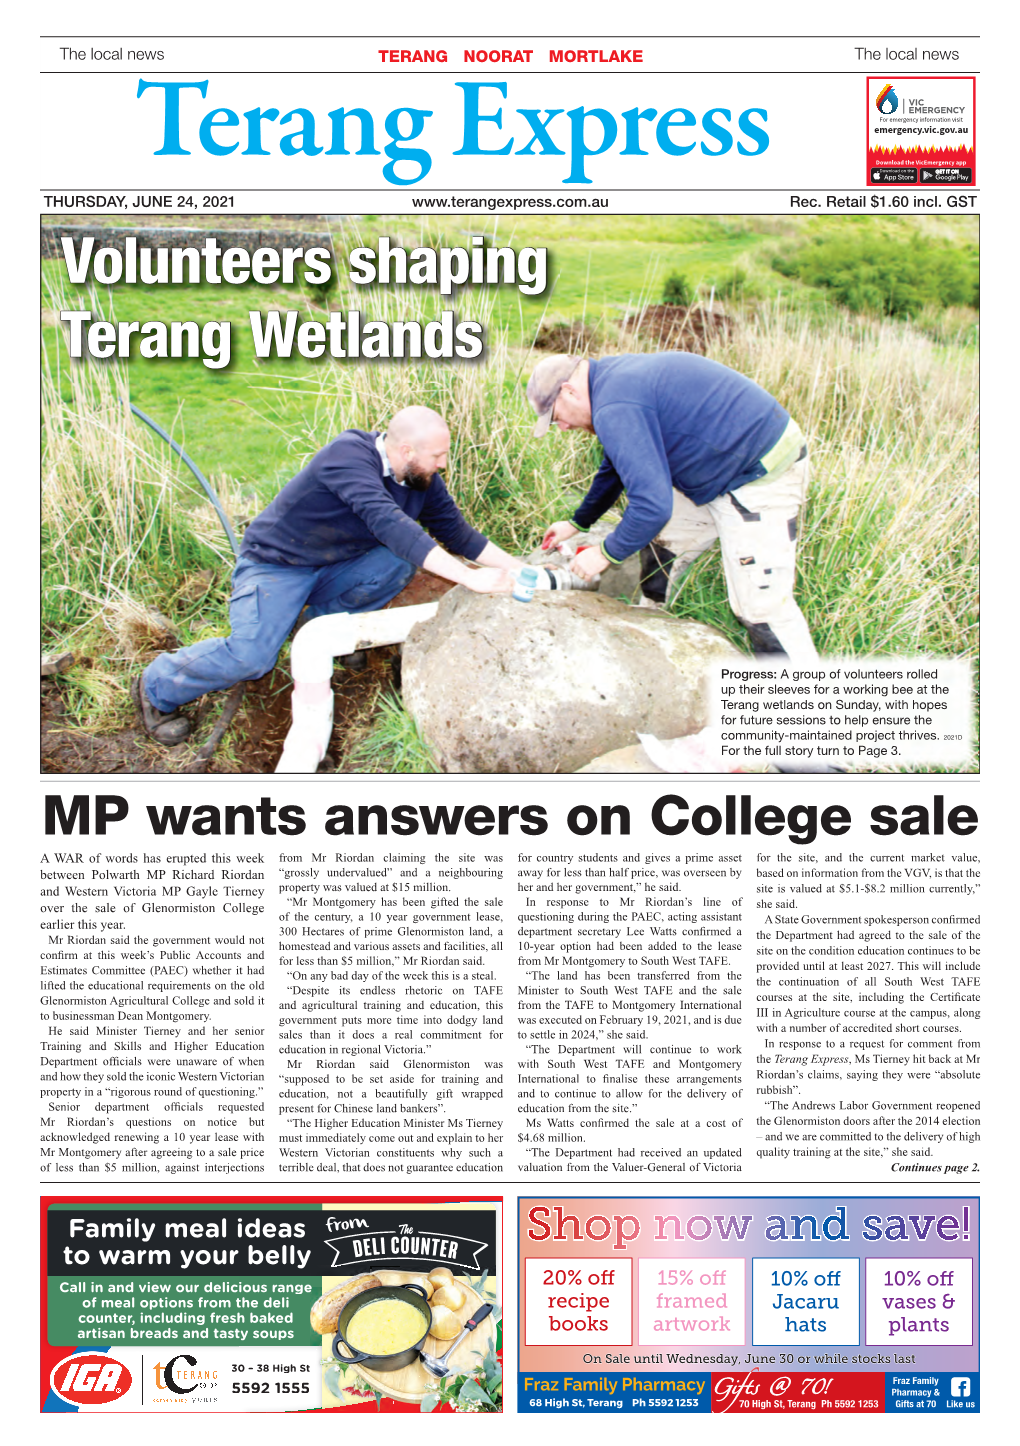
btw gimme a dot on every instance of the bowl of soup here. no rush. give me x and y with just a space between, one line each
383 1328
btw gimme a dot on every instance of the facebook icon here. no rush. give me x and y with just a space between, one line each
938 1391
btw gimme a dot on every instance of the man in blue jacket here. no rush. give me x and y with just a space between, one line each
701 452
345 535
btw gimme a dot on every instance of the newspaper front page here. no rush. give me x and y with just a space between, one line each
508 891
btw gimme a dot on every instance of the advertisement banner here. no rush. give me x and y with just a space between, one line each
921 130
519 633
271 1305
833 1304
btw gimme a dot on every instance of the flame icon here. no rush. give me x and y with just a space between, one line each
887 100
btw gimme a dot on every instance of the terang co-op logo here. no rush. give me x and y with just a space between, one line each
887 101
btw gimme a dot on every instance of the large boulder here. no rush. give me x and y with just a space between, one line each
499 686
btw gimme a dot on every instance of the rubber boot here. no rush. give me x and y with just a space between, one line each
656 562
764 643
166 728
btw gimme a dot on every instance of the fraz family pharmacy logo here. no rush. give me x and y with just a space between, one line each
90 1379
921 130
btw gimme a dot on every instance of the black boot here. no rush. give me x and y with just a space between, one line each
764 643
656 562
167 728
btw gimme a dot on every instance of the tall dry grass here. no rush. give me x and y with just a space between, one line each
114 507
505 481
889 550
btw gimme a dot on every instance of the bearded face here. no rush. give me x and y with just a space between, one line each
417 477
423 456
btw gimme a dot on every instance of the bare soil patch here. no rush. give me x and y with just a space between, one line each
575 338
254 741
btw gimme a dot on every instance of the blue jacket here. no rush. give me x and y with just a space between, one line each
672 420
341 505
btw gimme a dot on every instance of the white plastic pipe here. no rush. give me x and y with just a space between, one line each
311 658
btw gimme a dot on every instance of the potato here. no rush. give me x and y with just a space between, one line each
326 1311
449 1295
441 1276
445 1325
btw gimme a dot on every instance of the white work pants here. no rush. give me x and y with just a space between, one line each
757 531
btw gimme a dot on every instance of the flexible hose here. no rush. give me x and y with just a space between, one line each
176 447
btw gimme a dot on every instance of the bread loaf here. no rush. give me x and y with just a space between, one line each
326 1311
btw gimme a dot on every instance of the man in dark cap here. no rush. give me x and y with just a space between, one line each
701 453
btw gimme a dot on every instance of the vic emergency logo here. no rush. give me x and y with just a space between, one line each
90 1379
887 101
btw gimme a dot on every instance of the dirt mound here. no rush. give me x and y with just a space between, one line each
680 328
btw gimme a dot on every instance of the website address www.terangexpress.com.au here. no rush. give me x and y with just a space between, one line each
510 203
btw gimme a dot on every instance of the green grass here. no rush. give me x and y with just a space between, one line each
889 552
883 276
394 743
249 420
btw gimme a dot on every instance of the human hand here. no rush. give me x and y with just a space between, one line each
489 579
589 562
557 533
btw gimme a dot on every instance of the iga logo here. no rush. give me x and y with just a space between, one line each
90 1379
887 101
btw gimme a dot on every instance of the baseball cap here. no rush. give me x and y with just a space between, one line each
544 387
